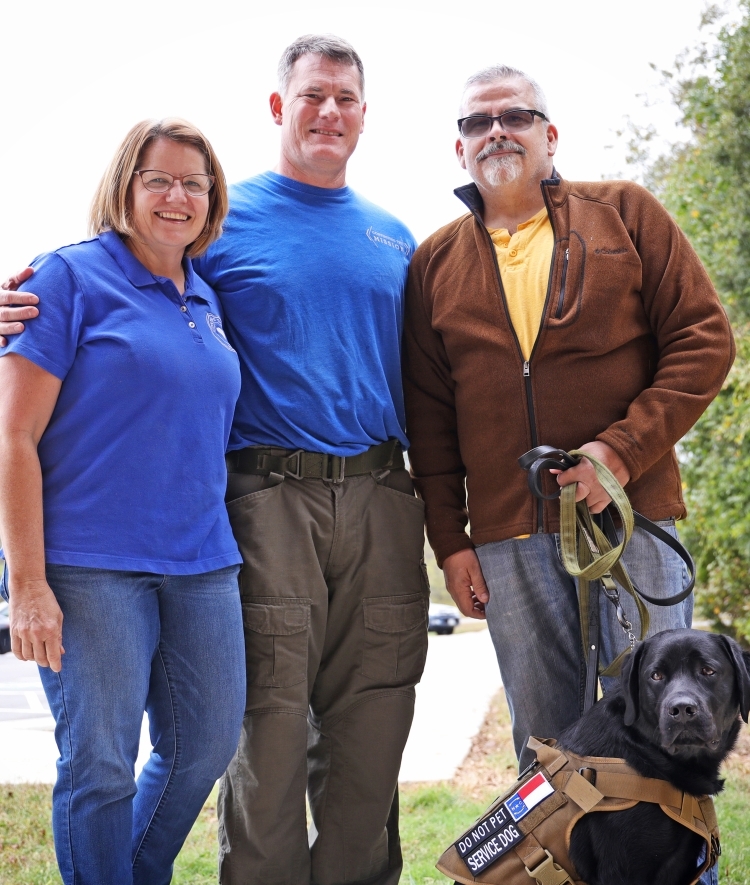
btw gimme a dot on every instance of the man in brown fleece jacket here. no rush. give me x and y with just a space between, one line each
568 314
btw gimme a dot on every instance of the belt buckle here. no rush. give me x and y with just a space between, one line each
297 473
337 465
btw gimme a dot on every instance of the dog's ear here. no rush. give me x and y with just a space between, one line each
631 673
741 661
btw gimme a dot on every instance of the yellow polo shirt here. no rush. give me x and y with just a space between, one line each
524 260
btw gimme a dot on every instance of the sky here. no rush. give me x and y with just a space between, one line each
77 75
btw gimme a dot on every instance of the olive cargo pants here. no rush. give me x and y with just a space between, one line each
334 599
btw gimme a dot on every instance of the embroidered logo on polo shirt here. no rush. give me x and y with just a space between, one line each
383 239
214 324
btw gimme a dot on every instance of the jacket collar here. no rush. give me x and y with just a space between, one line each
554 190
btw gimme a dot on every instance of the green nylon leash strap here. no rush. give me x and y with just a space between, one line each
589 555
575 518
591 552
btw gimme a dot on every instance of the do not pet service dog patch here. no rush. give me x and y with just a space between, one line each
495 834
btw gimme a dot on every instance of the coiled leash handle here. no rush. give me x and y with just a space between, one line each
591 552
545 458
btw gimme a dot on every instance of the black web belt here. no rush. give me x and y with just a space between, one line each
298 464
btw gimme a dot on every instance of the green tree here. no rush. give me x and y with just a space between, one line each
716 469
705 183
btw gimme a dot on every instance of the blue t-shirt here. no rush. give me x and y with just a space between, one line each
133 456
312 285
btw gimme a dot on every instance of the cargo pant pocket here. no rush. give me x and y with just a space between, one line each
276 634
395 645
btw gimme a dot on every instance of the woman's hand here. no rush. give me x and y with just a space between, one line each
36 624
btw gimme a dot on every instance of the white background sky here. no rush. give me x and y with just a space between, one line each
76 75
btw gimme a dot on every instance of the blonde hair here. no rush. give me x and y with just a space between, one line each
110 208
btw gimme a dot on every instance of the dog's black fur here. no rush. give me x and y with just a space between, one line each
676 717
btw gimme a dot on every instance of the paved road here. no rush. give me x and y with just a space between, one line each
21 695
27 746
460 678
27 730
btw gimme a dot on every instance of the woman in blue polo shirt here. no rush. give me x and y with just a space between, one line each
115 409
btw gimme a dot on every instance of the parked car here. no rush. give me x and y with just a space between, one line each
4 628
443 618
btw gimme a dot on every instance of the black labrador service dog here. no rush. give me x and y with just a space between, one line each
677 718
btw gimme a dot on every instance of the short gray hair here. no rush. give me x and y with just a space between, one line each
506 72
329 46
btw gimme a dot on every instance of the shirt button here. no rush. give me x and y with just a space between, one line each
183 309
513 253
192 325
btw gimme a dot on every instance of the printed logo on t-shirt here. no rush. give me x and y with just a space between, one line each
214 324
384 240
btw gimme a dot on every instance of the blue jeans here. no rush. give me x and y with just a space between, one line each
170 645
533 619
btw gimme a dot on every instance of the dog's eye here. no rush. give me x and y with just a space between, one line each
708 671
657 676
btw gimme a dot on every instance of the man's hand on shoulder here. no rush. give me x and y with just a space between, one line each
589 487
465 583
23 309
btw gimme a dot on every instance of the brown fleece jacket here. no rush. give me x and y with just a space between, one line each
633 346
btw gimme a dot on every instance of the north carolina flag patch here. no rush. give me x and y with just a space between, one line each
528 796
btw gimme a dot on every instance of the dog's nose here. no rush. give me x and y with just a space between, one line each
683 709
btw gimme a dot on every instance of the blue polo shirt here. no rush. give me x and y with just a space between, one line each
312 284
133 456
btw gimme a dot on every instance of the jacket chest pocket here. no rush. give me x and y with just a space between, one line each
567 282
597 273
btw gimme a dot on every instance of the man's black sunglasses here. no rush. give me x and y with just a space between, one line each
516 120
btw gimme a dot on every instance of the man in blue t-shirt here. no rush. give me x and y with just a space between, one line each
311 279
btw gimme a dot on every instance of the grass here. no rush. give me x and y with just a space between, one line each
432 816
732 807
197 863
27 856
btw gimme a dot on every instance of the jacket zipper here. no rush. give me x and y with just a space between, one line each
534 440
527 362
561 298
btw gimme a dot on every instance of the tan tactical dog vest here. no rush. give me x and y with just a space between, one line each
525 834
